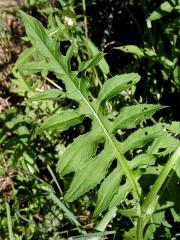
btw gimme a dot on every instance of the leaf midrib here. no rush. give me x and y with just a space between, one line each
120 157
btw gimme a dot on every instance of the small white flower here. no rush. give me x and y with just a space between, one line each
148 23
69 21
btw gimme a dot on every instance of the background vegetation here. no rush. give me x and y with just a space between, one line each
136 36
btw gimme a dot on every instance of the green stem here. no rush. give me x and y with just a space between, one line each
162 177
149 204
86 41
8 211
101 226
85 18
55 179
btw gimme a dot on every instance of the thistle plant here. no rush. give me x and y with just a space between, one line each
106 156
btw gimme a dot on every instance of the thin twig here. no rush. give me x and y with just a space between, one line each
53 83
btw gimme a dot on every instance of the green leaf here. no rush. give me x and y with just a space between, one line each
89 166
140 137
142 160
93 236
76 89
103 65
130 116
108 189
131 49
150 52
165 7
164 145
61 121
24 56
46 95
150 202
117 84
177 171
75 156
139 161
120 196
101 226
130 234
90 175
173 190
44 45
35 66
91 62
155 170
159 224
23 86
70 52
173 127
175 215
130 212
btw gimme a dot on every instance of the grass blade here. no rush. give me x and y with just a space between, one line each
55 179
93 236
68 213
8 210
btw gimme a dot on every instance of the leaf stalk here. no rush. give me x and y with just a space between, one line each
150 203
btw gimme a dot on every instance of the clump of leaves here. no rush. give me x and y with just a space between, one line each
160 49
98 156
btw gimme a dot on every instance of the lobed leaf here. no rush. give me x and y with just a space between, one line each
23 57
159 219
108 189
35 66
110 194
69 55
130 212
103 65
131 49
93 236
77 89
140 137
91 62
46 95
61 121
117 84
174 127
164 145
79 157
130 116
90 175
142 160
44 45
75 156
120 196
